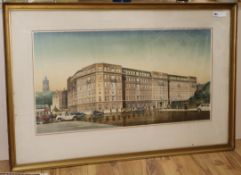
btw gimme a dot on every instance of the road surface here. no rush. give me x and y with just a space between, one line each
68 126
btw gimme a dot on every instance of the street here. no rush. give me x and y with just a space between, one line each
68 126
153 117
124 119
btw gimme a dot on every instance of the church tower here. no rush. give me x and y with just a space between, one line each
45 84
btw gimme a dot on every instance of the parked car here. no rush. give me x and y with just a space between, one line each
126 110
139 110
78 115
70 116
65 117
42 119
97 114
43 115
203 107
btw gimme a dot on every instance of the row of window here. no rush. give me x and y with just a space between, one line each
100 107
160 76
112 77
162 97
88 94
130 79
138 80
87 87
92 87
186 79
113 84
112 69
112 98
138 87
137 73
119 98
113 92
88 80
138 97
183 85
86 100
111 108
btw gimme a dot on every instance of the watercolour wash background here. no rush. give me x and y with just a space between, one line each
184 52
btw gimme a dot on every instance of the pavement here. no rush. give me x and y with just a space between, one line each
126 119
68 126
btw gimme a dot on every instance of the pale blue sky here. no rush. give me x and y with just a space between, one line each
59 55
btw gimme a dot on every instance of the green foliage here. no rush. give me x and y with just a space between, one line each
202 95
44 98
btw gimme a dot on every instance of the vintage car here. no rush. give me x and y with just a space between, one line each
97 114
139 110
65 117
43 115
70 116
78 115
203 107
42 119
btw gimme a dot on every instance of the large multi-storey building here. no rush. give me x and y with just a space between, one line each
98 86
112 88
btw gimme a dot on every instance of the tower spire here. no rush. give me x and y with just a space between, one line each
45 84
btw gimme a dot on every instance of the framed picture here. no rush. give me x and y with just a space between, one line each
90 83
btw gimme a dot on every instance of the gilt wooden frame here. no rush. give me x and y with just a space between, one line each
8 8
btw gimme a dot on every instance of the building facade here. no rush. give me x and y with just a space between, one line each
59 100
137 88
113 88
96 87
181 88
160 91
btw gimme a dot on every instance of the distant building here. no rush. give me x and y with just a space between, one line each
96 87
112 88
45 84
59 100
181 88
